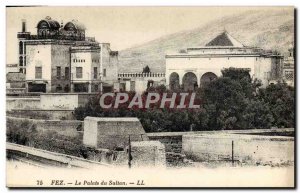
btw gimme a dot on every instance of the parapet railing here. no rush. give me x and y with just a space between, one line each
140 75
28 36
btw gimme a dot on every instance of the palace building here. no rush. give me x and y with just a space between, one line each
60 58
195 66
288 71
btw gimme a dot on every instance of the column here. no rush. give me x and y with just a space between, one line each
48 87
180 74
90 87
72 87
26 87
198 75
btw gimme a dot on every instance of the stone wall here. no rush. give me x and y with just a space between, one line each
148 154
173 140
22 103
253 149
64 101
69 128
14 91
172 143
111 133
49 101
43 114
59 101
48 158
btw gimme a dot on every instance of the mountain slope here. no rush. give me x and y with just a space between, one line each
267 29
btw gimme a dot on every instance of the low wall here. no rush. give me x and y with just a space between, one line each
173 140
42 114
64 101
59 101
15 91
148 153
172 143
110 157
49 101
69 128
245 131
144 153
111 133
253 149
48 158
22 103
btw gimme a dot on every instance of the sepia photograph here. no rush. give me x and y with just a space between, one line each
150 97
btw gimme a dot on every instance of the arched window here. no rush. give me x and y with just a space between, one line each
206 78
174 81
20 47
189 81
21 61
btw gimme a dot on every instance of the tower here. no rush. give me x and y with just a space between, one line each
22 37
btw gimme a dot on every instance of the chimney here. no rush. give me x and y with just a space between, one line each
23 25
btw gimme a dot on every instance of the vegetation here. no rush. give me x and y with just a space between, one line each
232 101
146 69
28 114
153 119
25 133
281 101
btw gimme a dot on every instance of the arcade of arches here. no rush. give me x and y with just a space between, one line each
189 80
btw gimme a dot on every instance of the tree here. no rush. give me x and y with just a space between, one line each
146 69
258 115
237 73
281 99
232 102
225 101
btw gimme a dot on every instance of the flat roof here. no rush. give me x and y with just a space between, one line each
213 55
95 93
112 119
221 47
147 144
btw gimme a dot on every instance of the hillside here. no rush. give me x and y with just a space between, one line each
267 29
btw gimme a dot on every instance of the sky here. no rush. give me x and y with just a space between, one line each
122 27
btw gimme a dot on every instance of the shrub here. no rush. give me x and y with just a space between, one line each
24 133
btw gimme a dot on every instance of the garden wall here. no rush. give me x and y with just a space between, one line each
22 103
254 149
148 153
110 133
172 143
43 114
69 128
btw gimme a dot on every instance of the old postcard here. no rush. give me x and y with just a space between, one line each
150 97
